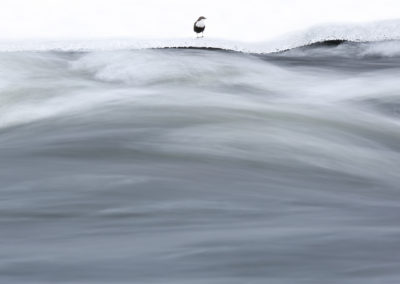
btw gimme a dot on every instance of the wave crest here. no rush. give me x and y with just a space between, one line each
362 33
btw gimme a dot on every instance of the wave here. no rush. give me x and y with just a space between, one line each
385 33
38 86
344 48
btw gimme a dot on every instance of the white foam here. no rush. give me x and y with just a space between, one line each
377 31
386 49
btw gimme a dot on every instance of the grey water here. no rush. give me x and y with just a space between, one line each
200 166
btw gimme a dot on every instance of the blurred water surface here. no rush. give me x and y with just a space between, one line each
198 166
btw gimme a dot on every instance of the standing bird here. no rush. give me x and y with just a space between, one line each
199 26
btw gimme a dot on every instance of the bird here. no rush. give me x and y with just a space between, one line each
199 26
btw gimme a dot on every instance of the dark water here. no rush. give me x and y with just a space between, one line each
196 166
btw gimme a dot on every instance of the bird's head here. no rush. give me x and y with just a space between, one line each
202 18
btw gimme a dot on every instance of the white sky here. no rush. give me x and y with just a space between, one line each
245 20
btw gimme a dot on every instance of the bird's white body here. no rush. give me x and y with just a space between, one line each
200 24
